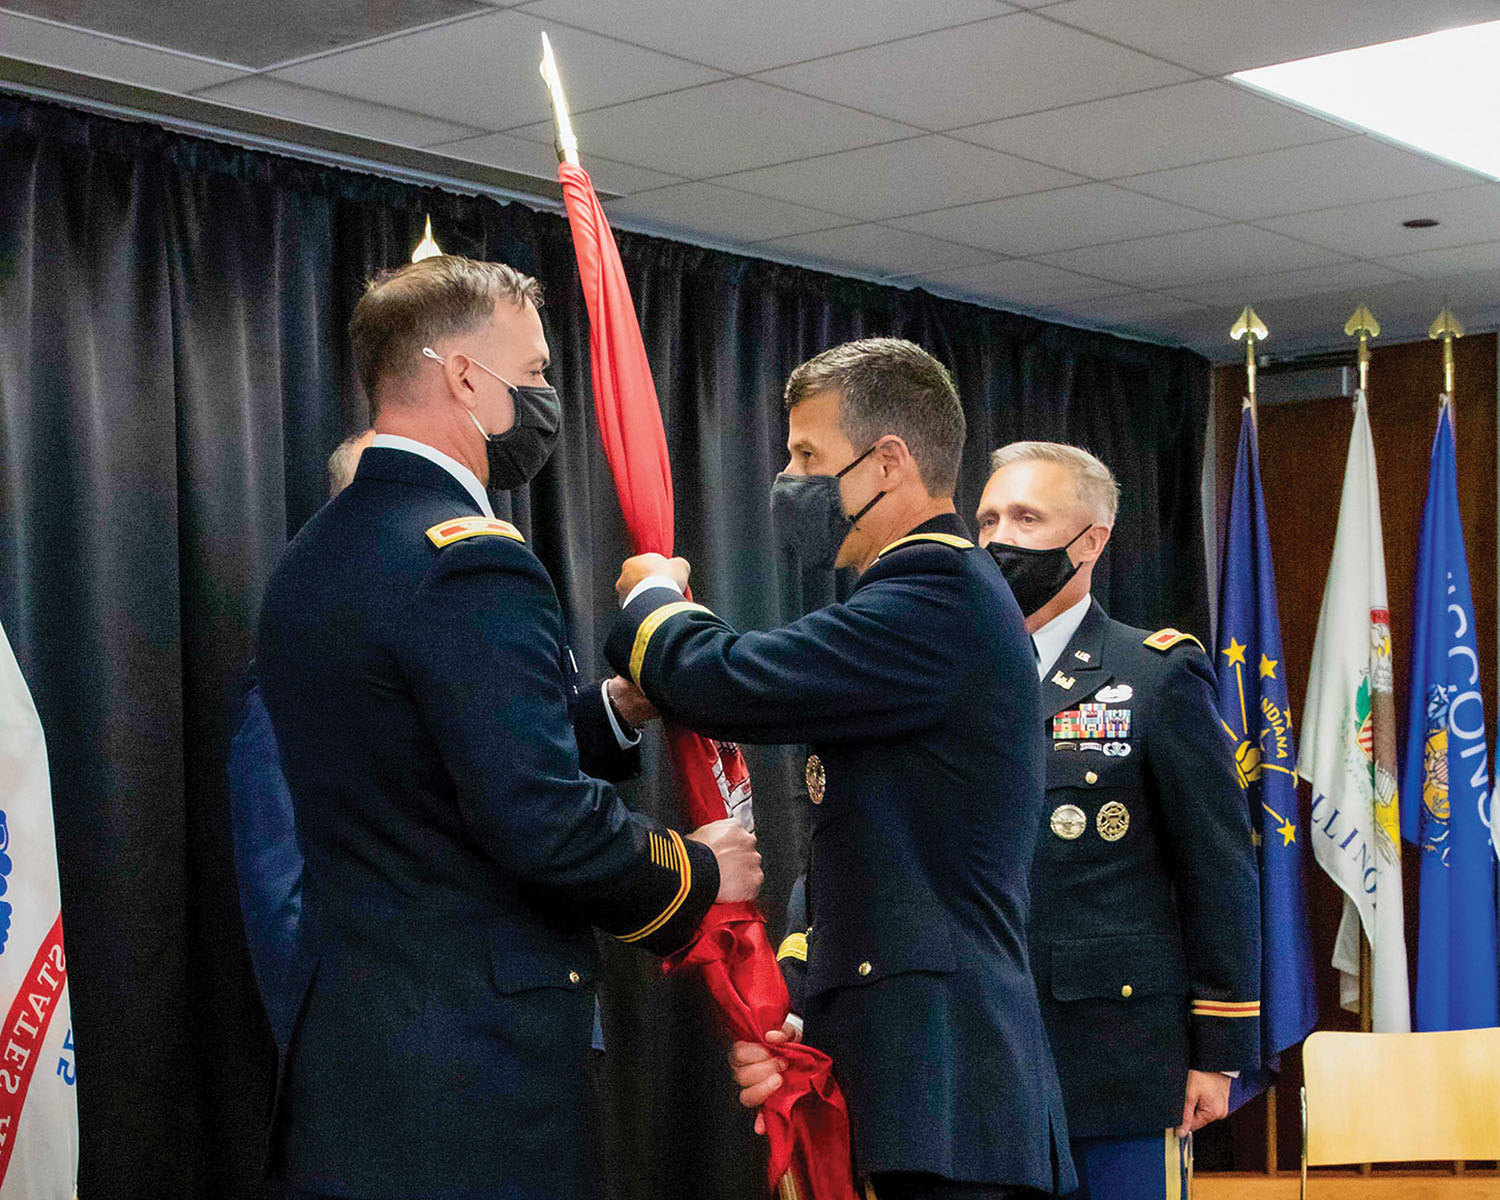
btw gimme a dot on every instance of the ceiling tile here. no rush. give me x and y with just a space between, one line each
482 72
1223 252
1012 64
722 127
255 35
106 57
1134 310
1218 36
742 37
1301 178
876 182
702 210
537 158
261 93
1257 289
1017 281
1150 131
1374 230
1454 260
1058 220
875 249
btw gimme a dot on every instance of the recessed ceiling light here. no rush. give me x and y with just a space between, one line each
1421 223
1438 93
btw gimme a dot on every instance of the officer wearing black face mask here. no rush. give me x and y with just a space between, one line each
1145 910
456 856
918 702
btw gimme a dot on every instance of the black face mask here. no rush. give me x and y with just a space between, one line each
1035 576
518 455
809 513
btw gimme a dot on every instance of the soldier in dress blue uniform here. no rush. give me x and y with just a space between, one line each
918 698
456 857
1145 916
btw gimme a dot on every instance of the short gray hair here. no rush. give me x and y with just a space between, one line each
1093 482
343 461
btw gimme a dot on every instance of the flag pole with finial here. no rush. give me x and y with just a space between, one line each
427 247
1253 330
567 141
1364 326
1446 326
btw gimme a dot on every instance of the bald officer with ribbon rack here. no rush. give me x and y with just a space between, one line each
1145 915
456 857
920 703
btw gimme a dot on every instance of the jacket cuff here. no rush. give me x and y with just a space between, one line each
1226 1035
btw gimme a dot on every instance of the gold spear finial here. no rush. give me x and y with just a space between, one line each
427 247
1446 326
567 140
1363 325
1252 329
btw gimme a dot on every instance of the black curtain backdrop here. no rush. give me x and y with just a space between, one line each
173 375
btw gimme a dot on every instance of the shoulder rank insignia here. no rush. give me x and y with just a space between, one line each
445 533
942 539
1165 639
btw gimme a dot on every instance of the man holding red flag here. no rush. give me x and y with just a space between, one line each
919 698
455 854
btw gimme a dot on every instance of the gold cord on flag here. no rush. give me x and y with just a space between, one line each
1253 330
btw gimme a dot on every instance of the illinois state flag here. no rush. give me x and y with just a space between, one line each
38 1110
1349 745
1445 809
1257 717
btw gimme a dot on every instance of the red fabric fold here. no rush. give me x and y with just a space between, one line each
807 1122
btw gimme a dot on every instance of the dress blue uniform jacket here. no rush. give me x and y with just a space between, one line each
919 699
412 663
268 861
1145 914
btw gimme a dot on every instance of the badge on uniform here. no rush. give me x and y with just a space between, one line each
1113 821
816 778
1115 693
1063 681
1068 822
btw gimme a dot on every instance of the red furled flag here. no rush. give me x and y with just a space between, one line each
807 1124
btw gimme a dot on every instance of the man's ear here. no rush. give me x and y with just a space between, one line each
455 373
1093 542
893 455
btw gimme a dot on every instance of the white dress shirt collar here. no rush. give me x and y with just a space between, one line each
392 441
1053 637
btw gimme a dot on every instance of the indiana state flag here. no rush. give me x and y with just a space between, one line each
1445 797
1257 720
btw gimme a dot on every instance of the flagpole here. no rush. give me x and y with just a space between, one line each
1253 330
788 1186
1446 326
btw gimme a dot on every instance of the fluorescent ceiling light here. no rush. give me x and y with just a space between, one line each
1438 93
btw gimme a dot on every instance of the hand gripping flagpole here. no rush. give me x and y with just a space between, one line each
807 1125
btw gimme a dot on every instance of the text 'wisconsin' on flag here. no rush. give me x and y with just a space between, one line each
1445 791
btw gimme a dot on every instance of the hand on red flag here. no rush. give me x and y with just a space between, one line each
630 702
757 1070
643 565
739 861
